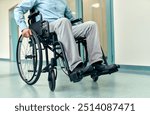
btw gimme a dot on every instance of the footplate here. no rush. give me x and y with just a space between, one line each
90 70
75 77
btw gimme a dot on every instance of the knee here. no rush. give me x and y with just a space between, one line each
92 24
65 21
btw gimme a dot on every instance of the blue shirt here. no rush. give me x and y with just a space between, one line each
51 10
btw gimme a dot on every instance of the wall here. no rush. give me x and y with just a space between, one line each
132 32
5 5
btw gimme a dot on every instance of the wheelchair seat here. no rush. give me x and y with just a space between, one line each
30 59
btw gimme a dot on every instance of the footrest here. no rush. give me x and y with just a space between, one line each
75 77
89 70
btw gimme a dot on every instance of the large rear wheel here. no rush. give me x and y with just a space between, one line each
29 58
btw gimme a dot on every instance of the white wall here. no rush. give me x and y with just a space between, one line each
132 32
5 5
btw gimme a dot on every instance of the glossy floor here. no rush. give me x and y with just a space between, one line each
118 85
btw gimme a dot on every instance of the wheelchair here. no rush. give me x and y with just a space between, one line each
30 55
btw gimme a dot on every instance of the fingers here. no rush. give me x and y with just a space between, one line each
26 33
30 33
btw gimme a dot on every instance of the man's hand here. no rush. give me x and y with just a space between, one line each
26 33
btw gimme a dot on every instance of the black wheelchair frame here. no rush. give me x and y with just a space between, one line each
30 65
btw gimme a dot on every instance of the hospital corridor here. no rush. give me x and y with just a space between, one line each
123 32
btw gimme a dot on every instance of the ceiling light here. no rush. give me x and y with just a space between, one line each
96 5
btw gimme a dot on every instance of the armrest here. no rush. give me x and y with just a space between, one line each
76 21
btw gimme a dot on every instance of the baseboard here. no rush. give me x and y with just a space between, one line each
135 69
4 59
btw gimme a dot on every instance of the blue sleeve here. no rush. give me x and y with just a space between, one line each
20 10
68 13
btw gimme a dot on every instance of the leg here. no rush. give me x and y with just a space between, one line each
63 29
90 31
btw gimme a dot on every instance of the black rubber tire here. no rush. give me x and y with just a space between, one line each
29 58
52 80
94 77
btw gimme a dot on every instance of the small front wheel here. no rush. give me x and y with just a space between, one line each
94 77
52 80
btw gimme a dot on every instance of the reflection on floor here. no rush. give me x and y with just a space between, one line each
118 85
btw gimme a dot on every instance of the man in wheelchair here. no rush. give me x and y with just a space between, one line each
59 16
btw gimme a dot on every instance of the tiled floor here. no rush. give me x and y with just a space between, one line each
118 85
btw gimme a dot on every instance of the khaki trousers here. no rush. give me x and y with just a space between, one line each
67 33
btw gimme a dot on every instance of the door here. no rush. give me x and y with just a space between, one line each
76 7
13 35
96 10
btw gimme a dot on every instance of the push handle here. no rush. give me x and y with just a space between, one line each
34 14
32 17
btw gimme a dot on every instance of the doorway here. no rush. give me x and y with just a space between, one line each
76 8
100 11
13 34
95 10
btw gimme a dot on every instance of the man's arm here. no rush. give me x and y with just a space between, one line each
20 10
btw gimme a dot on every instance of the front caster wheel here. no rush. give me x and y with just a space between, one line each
94 77
52 80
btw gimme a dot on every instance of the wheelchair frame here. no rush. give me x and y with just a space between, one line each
49 41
